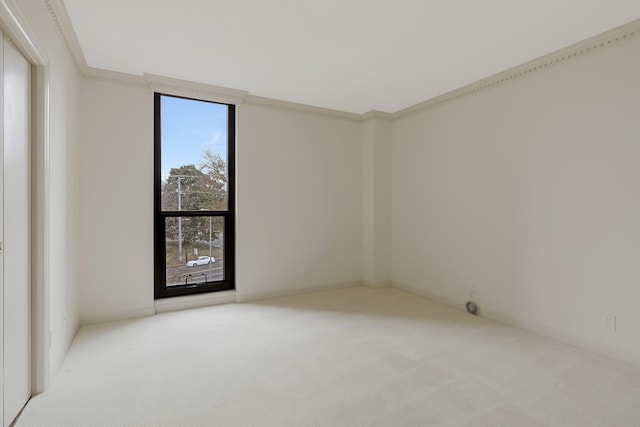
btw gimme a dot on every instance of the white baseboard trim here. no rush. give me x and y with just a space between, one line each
557 334
256 296
376 285
566 337
428 295
119 315
166 305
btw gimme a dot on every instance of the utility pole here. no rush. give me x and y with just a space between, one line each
179 221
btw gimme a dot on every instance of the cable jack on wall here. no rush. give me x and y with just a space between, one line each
471 306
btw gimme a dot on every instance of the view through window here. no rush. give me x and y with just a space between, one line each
194 200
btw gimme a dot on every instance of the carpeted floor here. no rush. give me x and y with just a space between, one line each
351 357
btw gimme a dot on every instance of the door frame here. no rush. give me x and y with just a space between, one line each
15 26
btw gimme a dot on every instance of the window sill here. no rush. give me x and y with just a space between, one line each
166 305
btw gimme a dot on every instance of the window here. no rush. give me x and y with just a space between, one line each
194 196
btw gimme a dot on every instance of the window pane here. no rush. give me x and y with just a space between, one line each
194 155
194 250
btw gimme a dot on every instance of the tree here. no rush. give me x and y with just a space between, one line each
215 167
195 190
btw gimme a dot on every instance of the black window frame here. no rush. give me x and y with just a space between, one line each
228 283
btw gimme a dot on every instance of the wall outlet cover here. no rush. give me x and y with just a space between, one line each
610 323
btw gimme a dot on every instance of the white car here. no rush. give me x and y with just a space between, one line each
202 260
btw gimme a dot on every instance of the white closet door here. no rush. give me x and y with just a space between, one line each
17 231
2 231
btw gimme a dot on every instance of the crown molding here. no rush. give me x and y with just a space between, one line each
168 85
62 22
286 105
375 114
186 88
588 46
115 77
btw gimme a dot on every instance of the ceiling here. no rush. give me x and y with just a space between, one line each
347 55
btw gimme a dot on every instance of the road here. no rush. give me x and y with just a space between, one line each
212 272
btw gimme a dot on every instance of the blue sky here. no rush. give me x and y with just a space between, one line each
188 128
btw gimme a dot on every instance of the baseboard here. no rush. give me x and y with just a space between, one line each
203 300
527 325
431 296
376 285
166 305
256 296
119 315
566 337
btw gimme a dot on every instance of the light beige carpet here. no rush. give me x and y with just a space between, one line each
351 357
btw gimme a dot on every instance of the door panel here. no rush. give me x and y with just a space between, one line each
2 231
17 231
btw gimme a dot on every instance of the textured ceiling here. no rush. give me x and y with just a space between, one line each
348 55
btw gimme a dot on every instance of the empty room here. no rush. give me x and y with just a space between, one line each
336 213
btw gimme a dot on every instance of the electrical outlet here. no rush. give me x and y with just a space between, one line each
610 323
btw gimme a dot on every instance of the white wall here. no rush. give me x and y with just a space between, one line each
299 201
116 201
64 98
529 191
